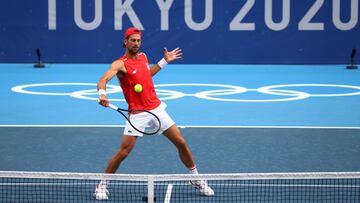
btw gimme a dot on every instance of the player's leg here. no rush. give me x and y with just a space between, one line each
172 132
127 145
128 142
174 135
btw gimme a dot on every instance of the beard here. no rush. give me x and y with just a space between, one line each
133 50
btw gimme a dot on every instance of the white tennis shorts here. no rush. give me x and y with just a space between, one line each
146 122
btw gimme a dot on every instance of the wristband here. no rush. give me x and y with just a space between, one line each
162 63
101 92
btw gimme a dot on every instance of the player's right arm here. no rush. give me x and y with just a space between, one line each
116 68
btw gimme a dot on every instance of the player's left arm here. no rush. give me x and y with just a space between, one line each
168 58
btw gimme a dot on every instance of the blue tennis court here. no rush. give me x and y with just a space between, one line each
236 118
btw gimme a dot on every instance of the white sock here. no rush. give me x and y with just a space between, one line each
193 170
104 182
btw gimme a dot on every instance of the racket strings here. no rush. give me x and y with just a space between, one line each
153 124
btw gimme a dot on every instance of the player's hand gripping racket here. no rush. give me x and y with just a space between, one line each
133 112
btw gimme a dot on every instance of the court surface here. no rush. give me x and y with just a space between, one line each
236 118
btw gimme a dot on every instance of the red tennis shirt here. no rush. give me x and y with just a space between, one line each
138 72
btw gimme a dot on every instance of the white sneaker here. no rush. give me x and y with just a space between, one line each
101 192
203 187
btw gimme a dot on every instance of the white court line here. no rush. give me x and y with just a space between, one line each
168 193
188 126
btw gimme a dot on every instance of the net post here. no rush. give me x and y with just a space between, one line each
150 187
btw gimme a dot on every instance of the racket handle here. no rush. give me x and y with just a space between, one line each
111 106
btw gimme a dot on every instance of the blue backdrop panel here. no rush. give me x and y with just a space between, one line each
208 31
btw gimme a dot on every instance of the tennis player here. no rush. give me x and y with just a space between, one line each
130 69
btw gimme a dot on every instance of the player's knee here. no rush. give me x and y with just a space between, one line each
181 143
124 152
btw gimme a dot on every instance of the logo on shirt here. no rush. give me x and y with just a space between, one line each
134 72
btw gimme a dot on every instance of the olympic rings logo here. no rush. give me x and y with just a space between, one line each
219 92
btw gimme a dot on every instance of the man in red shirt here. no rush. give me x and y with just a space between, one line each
133 68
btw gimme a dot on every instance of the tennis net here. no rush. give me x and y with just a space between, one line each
248 187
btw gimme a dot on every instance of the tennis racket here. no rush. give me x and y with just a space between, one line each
134 112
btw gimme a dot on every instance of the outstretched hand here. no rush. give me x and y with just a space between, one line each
172 55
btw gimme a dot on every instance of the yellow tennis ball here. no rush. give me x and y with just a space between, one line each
138 88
